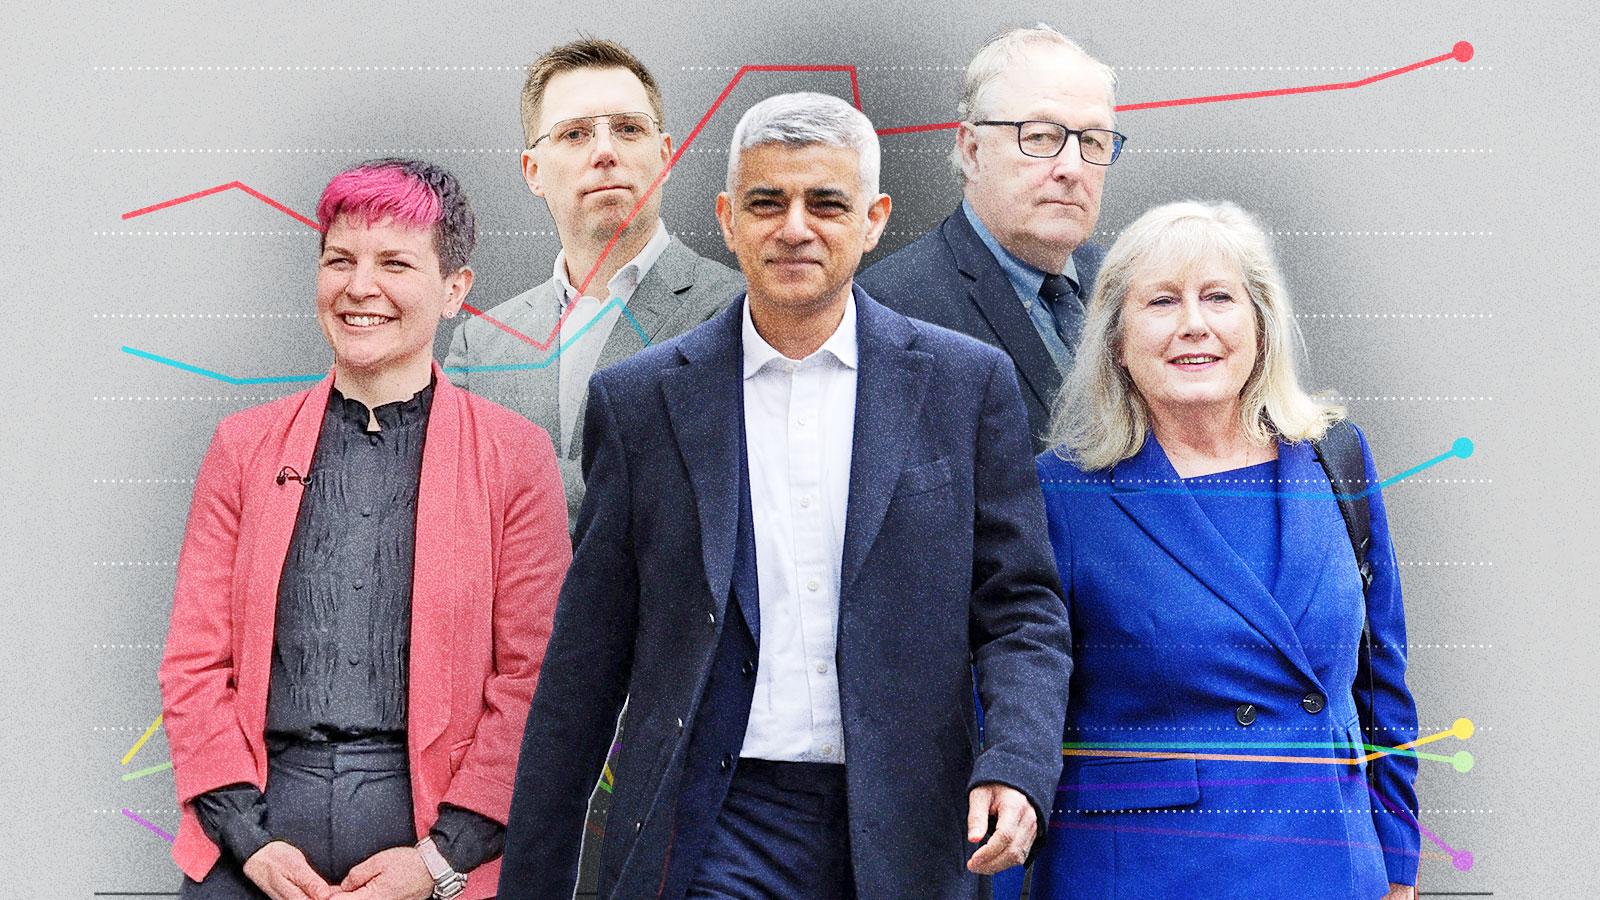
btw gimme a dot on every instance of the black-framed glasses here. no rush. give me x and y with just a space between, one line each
1043 140
575 134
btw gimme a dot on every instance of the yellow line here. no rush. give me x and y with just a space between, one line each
142 738
1462 728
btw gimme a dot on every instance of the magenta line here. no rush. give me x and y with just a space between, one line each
1462 859
129 814
1276 838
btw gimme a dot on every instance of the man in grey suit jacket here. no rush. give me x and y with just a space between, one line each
1013 266
591 113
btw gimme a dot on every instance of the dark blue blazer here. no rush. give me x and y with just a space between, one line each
1173 634
949 277
947 576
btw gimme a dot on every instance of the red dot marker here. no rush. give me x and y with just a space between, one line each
1462 51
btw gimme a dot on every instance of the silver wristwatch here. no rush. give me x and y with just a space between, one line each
448 884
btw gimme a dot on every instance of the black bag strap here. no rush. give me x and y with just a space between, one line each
1339 452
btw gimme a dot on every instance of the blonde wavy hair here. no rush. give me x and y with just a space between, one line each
1100 419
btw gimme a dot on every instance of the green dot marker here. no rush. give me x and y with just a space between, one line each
1462 761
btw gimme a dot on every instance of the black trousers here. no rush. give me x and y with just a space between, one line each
783 834
339 803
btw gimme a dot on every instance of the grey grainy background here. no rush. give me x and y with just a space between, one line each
1444 278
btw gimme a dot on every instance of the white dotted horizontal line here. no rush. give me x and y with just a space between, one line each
959 68
126 646
1394 315
391 151
305 232
1361 397
120 727
1261 646
1358 812
130 563
118 811
522 69
1428 563
1263 481
144 481
724 151
204 316
1231 727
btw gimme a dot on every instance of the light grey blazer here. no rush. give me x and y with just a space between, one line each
679 292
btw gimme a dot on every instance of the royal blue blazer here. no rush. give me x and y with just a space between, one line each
1177 645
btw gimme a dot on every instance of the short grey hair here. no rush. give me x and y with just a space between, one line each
803 119
1100 419
999 52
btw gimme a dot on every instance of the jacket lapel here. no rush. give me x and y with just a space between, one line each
1149 490
991 292
1308 520
277 507
890 383
705 403
659 295
432 600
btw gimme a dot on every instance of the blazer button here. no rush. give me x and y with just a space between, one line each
637 826
680 726
748 668
1313 702
727 761
711 617
1245 714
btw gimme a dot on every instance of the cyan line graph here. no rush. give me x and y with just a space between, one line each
616 303
1461 448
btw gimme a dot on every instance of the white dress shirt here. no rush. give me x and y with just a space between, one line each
799 426
578 358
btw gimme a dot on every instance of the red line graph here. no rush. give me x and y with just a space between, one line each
1462 52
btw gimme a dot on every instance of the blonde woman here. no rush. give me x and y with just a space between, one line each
1216 602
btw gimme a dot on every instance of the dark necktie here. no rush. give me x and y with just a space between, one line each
1061 298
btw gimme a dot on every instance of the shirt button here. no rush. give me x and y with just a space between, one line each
805 499
804 420
1245 714
789 367
372 439
1313 702
812 585
822 668
827 749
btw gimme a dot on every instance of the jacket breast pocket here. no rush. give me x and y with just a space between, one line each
1109 784
924 477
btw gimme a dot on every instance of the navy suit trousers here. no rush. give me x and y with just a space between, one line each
782 833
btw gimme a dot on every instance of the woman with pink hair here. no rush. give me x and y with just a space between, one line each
365 589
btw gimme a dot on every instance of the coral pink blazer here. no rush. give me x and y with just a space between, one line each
491 551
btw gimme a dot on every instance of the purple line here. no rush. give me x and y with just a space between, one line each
129 814
1276 838
1227 782
1461 859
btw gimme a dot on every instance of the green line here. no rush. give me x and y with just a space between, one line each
150 771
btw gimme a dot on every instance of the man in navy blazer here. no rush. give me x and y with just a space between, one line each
811 525
1013 265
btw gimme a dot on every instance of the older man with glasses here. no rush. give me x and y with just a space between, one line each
1013 266
592 119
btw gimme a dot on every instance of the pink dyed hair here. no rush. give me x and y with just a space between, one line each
371 194
409 192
